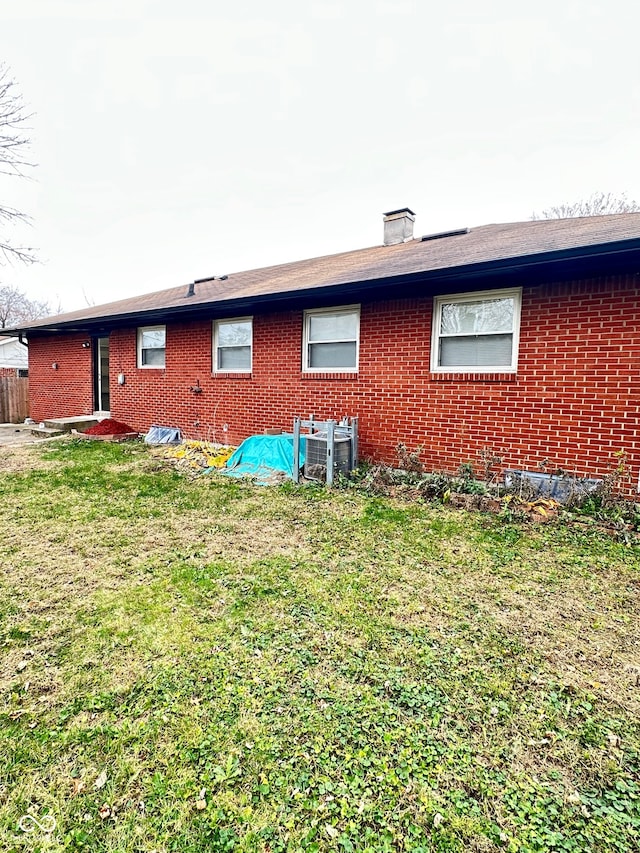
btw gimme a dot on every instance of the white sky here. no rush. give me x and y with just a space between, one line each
176 140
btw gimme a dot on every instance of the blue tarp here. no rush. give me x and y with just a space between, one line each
262 456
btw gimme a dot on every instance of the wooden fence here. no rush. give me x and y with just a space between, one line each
14 399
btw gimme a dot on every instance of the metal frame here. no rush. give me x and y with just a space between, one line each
346 427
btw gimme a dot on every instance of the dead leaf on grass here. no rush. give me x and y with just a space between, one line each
101 781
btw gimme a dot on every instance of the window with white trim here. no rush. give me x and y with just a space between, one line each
331 339
151 346
476 332
232 345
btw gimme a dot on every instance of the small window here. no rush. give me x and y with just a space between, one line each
476 332
331 339
232 344
22 372
151 346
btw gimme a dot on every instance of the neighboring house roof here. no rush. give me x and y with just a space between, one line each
13 353
507 248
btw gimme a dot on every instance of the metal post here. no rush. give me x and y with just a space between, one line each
296 450
330 437
354 443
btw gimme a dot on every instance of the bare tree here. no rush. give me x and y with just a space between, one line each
16 308
597 204
13 162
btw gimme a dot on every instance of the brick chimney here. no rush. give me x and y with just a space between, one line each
398 226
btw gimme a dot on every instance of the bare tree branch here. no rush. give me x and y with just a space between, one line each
597 204
89 300
16 308
16 253
13 163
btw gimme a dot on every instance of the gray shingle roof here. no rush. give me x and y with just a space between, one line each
487 244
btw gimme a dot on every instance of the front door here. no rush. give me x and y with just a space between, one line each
102 375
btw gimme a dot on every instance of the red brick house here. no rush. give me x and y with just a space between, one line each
521 340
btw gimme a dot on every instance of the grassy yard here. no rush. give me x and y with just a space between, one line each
204 665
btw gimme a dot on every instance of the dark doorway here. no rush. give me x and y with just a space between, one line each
102 375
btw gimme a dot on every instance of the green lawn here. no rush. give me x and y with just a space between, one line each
204 665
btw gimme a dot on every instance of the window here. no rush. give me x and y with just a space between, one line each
151 346
232 344
331 339
476 332
22 372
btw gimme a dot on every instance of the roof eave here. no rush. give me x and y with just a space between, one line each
577 261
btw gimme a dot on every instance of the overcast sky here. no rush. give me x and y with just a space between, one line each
176 140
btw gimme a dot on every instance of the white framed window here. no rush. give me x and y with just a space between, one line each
233 345
331 339
476 332
151 346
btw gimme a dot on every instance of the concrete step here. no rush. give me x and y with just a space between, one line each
80 423
46 432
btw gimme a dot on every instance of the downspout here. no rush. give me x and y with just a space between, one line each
20 340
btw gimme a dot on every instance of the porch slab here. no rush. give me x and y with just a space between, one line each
80 423
46 432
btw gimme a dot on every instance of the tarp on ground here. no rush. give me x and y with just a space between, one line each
162 435
264 456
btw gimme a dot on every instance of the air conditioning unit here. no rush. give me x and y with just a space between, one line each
315 463
330 447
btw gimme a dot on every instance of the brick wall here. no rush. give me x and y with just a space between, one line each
63 391
574 401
